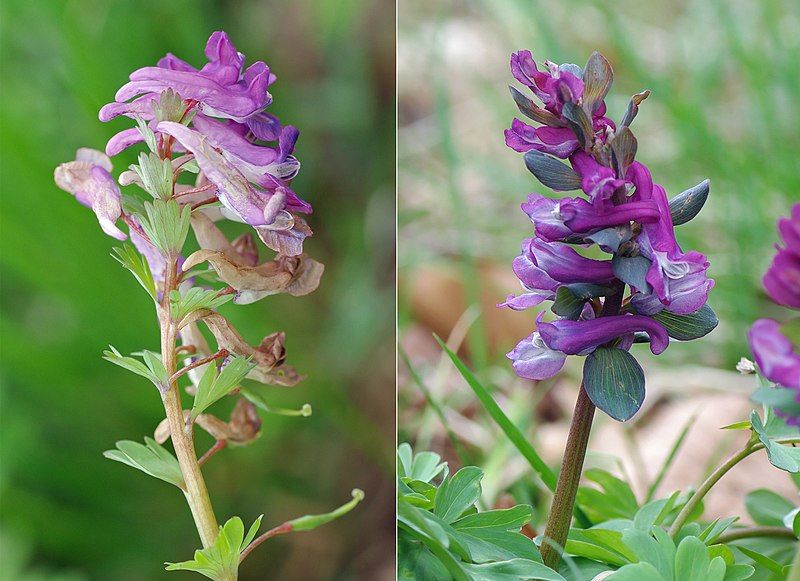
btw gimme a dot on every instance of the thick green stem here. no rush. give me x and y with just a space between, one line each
564 499
182 436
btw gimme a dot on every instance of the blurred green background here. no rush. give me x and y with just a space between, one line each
725 81
67 513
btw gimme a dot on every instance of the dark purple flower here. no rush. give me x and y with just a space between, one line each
583 337
777 358
556 219
679 282
543 265
597 181
89 180
782 280
558 141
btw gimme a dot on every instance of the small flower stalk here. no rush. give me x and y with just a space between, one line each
210 152
607 259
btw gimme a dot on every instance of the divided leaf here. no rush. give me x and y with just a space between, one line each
152 368
166 224
193 300
213 386
127 256
150 457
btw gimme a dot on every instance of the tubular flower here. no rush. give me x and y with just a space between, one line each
778 358
620 210
88 178
216 117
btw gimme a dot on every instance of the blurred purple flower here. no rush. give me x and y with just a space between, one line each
777 358
782 280
89 180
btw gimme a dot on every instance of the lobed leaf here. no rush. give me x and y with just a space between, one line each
138 266
150 457
213 386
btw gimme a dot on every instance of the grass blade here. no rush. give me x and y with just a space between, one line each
670 458
501 419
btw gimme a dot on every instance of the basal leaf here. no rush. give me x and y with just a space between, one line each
458 493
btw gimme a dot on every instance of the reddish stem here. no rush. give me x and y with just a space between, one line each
278 530
218 445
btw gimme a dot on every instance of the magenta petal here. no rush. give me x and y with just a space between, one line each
583 337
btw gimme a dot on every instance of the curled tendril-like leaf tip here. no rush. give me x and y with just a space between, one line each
306 410
358 494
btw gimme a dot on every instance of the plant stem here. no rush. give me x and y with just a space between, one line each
755 532
561 510
182 436
709 482
278 530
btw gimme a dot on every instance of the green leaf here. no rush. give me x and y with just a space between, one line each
763 560
513 570
688 203
772 430
615 499
195 299
511 431
152 369
213 387
220 561
166 224
716 528
150 457
778 397
251 533
637 572
147 134
457 494
767 508
137 265
424 466
312 521
688 327
614 382
505 519
155 173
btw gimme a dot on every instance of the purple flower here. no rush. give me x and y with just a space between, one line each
777 358
679 282
782 280
221 87
543 265
268 210
583 337
532 359
89 180
597 181
558 141
556 219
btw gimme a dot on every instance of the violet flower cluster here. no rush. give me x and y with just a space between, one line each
778 356
216 118
619 211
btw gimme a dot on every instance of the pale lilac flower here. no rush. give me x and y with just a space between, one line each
89 180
